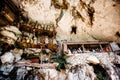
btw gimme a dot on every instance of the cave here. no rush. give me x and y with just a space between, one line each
100 72
73 29
51 37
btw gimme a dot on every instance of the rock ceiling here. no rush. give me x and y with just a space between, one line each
76 20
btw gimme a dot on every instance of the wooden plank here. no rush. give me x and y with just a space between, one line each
87 42
28 63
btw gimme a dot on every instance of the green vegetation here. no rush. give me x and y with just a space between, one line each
62 62
100 77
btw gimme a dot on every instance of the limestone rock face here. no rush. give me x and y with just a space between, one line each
4 58
107 61
82 70
107 18
92 19
93 60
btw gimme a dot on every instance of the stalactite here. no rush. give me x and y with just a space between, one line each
60 16
117 1
59 5
83 4
91 13
76 14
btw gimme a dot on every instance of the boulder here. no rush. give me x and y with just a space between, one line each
8 57
93 59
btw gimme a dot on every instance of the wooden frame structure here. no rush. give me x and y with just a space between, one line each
88 46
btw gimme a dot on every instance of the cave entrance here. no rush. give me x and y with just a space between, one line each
100 72
73 29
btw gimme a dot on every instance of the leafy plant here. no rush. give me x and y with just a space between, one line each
62 62
100 77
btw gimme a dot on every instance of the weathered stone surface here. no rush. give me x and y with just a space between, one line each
8 57
94 20
107 61
81 70
93 60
